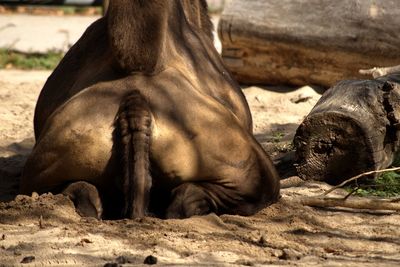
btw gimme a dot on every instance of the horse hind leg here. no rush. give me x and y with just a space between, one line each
196 199
190 199
85 198
133 124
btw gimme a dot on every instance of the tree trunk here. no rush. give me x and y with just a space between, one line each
354 128
308 41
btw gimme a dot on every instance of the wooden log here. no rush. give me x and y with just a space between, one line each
308 41
378 72
353 128
354 203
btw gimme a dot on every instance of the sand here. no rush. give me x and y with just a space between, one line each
45 230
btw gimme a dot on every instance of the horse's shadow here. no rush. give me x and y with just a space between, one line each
12 160
280 148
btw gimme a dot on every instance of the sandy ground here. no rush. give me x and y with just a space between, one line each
45 230
21 32
24 33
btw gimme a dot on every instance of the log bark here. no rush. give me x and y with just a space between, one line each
308 41
353 128
378 72
354 203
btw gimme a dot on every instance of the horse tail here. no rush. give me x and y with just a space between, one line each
134 123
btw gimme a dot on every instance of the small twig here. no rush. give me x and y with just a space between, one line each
378 72
351 193
357 177
41 226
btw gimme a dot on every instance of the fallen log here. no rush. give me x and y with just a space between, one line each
308 41
353 203
379 72
353 128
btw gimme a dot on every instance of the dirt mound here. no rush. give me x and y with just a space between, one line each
51 208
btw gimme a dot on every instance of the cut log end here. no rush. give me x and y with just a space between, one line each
332 147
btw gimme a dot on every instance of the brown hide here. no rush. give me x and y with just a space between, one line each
92 59
143 108
137 38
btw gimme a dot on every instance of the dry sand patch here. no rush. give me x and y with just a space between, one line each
47 227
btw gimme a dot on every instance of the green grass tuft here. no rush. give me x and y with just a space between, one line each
16 60
80 10
387 185
277 137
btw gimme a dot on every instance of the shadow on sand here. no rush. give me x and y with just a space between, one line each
12 160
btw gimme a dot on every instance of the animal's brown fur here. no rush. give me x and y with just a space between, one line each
196 13
137 34
181 119
134 124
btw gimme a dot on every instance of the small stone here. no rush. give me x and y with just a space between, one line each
3 237
300 99
190 235
290 254
244 263
112 264
150 260
85 240
20 198
41 225
28 259
263 241
277 253
35 196
122 260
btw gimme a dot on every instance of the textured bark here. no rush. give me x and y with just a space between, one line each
354 128
353 203
377 72
308 41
